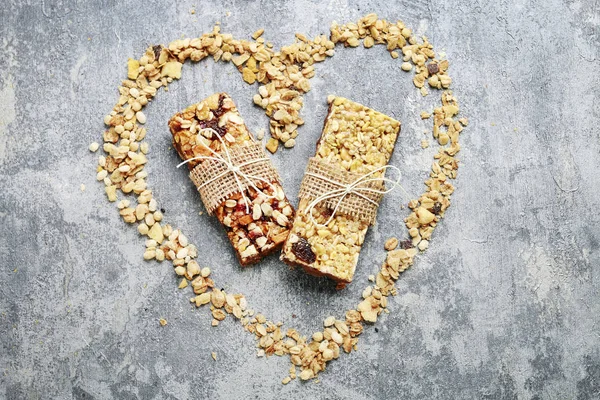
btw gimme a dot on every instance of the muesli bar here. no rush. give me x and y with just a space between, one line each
261 228
356 139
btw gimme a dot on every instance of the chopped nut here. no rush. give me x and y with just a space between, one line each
272 145
133 67
162 321
391 244
156 233
172 69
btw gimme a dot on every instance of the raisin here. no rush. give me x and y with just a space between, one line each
219 111
406 244
437 207
214 125
157 49
326 212
433 68
302 250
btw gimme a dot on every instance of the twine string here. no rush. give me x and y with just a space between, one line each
355 188
232 168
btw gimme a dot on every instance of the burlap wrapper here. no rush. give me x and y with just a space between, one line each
352 205
219 190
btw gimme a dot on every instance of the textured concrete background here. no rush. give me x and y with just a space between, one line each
504 305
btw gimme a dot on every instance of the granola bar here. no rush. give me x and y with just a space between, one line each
359 140
261 228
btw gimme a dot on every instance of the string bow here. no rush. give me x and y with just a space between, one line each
357 187
231 168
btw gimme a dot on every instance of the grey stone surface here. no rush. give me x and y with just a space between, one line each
504 305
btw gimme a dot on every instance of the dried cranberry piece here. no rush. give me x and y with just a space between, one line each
303 252
433 68
219 111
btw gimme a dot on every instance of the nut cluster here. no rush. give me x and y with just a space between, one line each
122 169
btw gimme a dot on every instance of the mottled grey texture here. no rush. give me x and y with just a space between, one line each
504 305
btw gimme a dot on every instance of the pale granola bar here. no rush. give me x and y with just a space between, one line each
356 139
264 228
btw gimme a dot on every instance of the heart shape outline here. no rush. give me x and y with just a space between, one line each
337 333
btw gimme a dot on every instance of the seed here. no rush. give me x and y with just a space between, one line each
149 254
141 117
256 212
406 66
143 229
230 203
289 144
93 147
336 337
183 241
267 209
101 175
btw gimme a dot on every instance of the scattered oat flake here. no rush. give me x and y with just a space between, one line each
82 187
214 355
162 322
424 143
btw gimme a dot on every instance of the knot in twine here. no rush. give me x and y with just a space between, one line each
243 179
365 187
